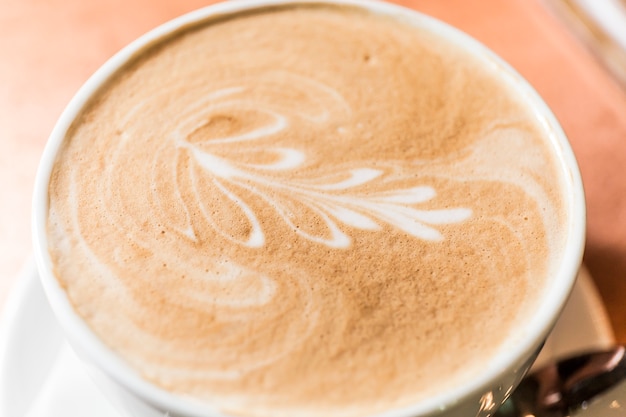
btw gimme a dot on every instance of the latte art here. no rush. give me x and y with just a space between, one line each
264 218
328 199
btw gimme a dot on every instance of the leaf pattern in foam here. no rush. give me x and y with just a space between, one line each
336 202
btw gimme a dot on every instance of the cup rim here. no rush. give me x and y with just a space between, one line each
82 338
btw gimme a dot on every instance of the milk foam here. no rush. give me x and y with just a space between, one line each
310 211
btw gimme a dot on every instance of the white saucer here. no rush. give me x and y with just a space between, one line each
41 377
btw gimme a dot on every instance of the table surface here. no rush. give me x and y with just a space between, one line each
48 48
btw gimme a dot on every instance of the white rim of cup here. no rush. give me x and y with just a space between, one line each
95 351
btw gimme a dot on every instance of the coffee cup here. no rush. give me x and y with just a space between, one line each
338 208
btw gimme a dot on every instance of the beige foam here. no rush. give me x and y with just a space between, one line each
310 211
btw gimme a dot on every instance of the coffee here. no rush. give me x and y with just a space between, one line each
306 210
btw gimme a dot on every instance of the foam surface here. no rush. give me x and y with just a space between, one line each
309 212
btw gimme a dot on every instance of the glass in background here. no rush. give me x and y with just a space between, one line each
601 25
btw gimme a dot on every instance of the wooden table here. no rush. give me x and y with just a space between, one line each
49 48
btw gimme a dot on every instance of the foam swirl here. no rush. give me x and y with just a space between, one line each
197 133
280 224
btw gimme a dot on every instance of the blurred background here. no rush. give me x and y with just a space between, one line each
571 51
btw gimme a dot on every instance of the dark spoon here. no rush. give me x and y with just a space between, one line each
590 384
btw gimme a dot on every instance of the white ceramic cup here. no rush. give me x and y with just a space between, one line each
479 397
